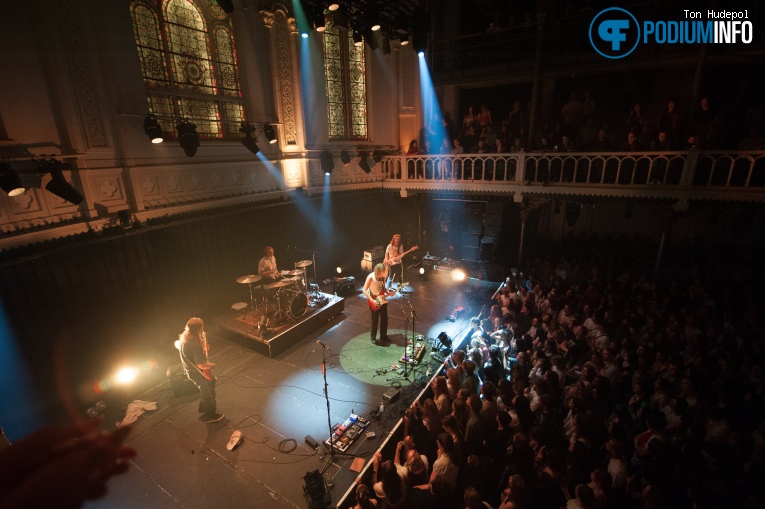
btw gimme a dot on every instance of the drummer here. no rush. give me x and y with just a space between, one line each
267 266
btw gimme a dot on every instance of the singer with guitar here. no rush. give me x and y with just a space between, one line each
375 290
198 368
394 253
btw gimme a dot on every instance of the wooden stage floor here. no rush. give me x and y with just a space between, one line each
275 401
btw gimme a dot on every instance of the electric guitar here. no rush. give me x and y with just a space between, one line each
399 257
377 302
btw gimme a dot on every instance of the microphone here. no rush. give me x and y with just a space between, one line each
320 342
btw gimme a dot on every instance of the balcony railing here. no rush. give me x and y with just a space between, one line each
742 169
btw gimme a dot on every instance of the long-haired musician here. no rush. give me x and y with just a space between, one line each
393 259
375 291
194 347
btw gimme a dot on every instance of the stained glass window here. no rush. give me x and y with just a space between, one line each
346 84
189 65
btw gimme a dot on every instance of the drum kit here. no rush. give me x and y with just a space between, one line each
283 298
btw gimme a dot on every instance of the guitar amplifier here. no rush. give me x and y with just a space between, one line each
342 285
430 261
376 254
182 385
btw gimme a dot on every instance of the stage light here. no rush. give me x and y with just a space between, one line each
333 6
177 344
126 375
327 162
188 136
404 41
339 270
270 133
10 182
358 40
152 129
345 157
248 141
420 53
58 184
304 35
318 22
363 163
458 275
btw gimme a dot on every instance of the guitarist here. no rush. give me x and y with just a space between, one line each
375 291
194 347
393 255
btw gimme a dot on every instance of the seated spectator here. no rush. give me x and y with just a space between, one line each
660 144
602 144
414 148
632 145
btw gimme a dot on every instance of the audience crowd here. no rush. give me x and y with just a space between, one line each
580 127
585 385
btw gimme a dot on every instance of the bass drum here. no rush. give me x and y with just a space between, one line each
298 305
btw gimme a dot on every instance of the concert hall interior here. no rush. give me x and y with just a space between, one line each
582 223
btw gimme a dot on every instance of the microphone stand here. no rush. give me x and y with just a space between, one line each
329 418
332 453
407 356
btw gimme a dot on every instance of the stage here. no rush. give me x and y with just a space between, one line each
246 330
273 394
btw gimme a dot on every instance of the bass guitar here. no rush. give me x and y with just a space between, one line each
401 256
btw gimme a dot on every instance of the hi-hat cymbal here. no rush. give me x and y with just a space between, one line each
251 278
303 263
292 273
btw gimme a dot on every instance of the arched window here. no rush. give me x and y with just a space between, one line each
188 60
346 85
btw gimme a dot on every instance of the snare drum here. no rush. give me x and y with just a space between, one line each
298 305
239 307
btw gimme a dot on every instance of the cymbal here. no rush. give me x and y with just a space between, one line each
278 284
251 278
292 273
293 279
303 263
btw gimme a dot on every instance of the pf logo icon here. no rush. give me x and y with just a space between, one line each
614 33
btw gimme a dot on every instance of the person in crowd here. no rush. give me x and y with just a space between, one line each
469 120
63 466
388 486
669 123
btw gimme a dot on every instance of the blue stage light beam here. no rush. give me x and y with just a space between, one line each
272 169
431 110
20 412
